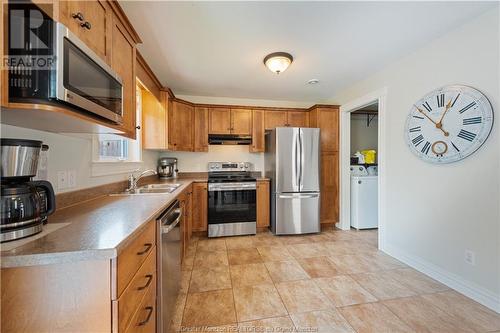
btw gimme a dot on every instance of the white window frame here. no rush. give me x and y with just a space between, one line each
102 166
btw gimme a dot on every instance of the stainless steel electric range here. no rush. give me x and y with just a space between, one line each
232 199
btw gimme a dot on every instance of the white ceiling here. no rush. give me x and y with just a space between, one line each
216 48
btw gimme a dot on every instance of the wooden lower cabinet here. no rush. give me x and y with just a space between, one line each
263 203
200 207
329 212
117 295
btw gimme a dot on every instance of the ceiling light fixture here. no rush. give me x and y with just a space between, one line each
313 81
278 62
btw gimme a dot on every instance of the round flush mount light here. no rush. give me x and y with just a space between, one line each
278 62
313 81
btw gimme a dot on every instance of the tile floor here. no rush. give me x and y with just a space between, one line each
333 282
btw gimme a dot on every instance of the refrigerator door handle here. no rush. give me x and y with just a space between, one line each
299 196
301 160
297 161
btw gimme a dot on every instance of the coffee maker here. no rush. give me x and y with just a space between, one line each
167 167
25 204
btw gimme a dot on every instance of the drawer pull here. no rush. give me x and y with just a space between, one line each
86 25
147 246
78 16
150 278
150 312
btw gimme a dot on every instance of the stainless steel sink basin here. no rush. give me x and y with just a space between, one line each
152 189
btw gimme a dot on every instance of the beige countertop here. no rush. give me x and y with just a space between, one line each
95 230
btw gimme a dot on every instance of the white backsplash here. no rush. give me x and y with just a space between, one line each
198 162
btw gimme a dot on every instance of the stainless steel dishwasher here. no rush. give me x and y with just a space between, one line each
169 261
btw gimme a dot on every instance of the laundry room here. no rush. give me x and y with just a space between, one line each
364 167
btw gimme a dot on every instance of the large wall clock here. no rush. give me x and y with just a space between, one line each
449 124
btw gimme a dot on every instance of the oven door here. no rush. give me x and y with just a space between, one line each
232 203
84 80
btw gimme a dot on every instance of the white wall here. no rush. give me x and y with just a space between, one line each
434 213
198 162
363 136
73 153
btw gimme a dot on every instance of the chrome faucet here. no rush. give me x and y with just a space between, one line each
132 179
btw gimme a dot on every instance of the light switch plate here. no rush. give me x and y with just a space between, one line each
62 180
71 179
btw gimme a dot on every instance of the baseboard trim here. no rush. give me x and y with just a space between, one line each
467 288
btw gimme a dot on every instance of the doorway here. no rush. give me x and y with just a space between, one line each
350 114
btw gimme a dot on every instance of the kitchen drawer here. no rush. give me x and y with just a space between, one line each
133 255
144 319
130 299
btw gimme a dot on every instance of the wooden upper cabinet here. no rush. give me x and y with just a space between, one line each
123 62
200 129
181 126
200 201
297 119
273 119
219 121
258 132
154 122
92 23
327 119
241 121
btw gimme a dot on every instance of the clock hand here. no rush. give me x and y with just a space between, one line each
436 124
440 122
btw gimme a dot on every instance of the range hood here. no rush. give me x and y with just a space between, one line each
229 139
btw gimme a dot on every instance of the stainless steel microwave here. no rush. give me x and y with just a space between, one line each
60 69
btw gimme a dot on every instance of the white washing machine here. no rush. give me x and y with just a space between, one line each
364 198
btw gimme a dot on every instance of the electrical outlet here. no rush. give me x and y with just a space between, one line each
470 257
71 178
62 180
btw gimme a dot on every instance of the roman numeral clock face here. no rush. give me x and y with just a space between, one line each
449 124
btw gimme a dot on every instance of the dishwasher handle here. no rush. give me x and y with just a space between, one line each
166 228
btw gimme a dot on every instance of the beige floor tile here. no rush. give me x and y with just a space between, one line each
243 242
475 315
268 240
210 278
187 262
416 281
178 312
318 267
295 239
422 316
352 264
277 324
343 290
340 235
349 247
373 318
258 302
302 296
213 244
249 275
383 261
318 238
328 321
289 270
185 280
382 287
210 259
244 256
274 253
307 250
211 308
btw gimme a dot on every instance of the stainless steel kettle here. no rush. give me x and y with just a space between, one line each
167 167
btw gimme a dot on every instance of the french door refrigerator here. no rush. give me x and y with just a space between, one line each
291 161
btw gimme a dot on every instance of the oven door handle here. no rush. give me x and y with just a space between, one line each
214 188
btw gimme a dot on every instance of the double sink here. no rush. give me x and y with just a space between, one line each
152 189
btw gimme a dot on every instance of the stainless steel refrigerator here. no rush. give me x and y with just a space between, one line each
292 163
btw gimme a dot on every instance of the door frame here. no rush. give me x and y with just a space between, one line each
345 154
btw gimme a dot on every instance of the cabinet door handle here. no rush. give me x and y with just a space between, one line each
86 25
78 16
150 278
147 246
150 312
